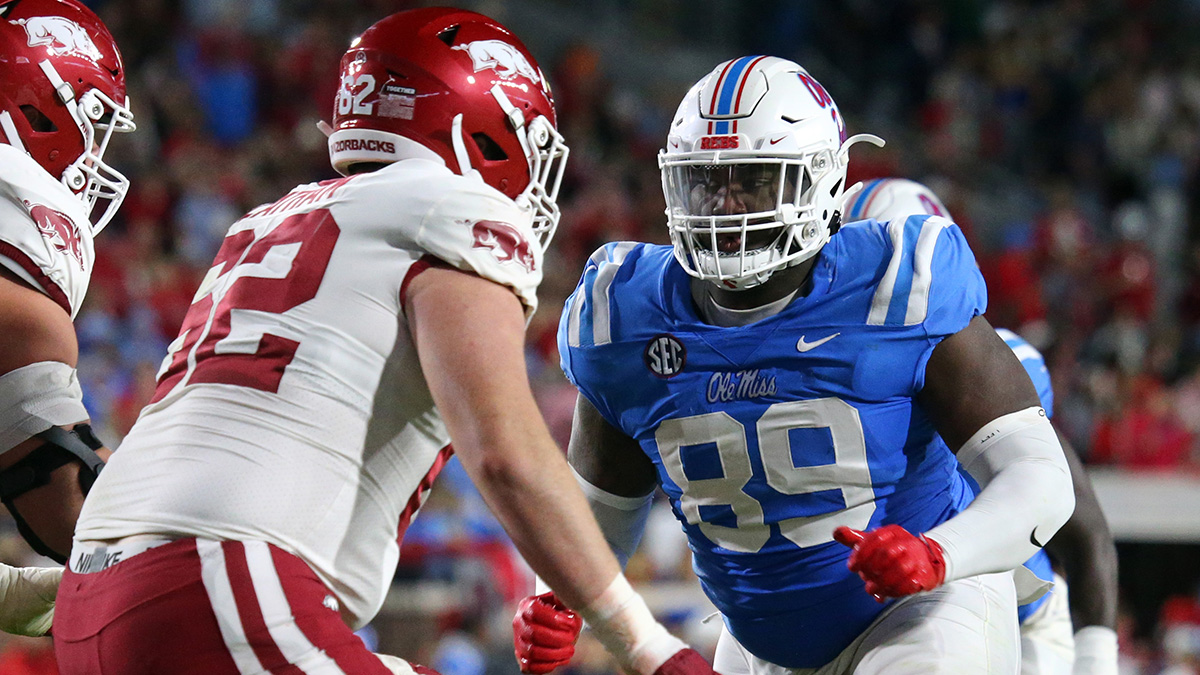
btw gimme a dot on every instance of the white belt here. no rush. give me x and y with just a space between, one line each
88 557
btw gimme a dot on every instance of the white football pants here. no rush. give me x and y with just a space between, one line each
967 627
1047 637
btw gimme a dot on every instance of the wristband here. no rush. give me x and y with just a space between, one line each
620 619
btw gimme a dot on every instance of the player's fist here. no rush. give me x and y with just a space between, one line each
27 598
893 562
685 662
544 633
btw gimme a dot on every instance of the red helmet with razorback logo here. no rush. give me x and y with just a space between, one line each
457 86
62 96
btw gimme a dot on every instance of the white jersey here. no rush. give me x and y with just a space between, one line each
292 408
45 234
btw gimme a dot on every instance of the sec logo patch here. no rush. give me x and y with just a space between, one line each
665 356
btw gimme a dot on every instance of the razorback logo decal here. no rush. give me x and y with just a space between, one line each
58 229
60 34
504 241
501 57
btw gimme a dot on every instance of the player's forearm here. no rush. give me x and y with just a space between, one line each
531 491
1026 496
1089 558
1085 548
534 495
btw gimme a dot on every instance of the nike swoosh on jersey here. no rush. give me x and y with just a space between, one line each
1033 538
803 346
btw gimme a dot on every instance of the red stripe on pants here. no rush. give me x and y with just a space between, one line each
250 613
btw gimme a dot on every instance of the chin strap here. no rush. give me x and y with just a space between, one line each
460 147
10 131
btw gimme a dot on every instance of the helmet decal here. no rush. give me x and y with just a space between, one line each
453 86
62 98
62 35
500 57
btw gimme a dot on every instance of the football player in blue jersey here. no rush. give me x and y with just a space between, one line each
788 383
1083 546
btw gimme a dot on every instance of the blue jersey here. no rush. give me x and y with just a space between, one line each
769 436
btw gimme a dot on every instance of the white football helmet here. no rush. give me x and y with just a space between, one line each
885 199
754 171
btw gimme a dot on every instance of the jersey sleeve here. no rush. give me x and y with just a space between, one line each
585 328
946 289
45 237
479 230
1034 364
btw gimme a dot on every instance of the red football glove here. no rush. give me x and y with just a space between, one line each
685 662
544 633
893 562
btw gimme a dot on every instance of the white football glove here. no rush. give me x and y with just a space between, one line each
27 599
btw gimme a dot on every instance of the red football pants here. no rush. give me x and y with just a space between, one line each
202 607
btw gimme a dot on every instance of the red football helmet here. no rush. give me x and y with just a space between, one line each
62 96
453 85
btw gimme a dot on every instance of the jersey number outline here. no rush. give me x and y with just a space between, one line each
349 101
850 473
224 336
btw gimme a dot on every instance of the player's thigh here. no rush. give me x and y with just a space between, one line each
1047 636
149 614
732 658
206 607
967 627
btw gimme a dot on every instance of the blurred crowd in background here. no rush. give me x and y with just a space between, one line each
1063 135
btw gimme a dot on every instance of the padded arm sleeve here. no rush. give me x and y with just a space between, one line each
34 398
1026 496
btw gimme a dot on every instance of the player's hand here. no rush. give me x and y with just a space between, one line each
685 662
27 599
893 562
544 633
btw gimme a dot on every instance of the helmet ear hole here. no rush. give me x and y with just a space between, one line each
448 34
489 148
38 120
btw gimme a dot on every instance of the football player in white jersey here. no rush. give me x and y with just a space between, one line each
62 96
788 381
345 336
1084 546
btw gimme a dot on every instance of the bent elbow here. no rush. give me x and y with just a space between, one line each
1059 504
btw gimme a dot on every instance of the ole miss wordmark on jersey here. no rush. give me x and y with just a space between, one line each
767 437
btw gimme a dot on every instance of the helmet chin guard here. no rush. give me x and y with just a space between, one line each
753 171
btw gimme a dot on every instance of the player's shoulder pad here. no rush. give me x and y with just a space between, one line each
431 190
929 275
587 319
460 220
24 182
